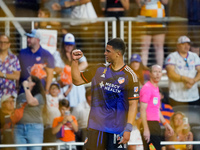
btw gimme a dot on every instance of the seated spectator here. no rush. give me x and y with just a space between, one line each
166 109
179 123
81 112
7 108
141 71
66 123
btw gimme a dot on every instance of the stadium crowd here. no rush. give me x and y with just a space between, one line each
43 98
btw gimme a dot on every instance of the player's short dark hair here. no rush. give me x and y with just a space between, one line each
117 44
64 103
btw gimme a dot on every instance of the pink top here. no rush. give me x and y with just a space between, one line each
150 94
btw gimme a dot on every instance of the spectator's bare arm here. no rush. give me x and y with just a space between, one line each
49 72
14 76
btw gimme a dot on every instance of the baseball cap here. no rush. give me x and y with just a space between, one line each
34 34
183 39
135 57
69 39
5 97
55 83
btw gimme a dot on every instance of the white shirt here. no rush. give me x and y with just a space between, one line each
81 112
177 90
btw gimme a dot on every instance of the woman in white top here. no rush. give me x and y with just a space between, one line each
62 63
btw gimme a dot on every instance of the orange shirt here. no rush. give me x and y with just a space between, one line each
68 131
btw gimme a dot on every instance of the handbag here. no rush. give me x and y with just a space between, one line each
17 115
60 133
84 11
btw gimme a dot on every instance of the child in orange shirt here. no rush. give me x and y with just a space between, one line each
68 122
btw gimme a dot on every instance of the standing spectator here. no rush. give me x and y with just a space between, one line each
9 68
140 70
115 94
81 112
150 110
63 62
114 8
34 59
183 70
44 13
29 129
53 102
7 108
155 31
179 123
66 121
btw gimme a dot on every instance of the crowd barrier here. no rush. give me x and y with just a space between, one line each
58 145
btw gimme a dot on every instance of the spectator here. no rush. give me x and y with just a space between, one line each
7 108
45 13
115 8
141 71
183 70
66 121
115 94
29 129
81 112
34 59
135 135
63 62
9 68
150 110
166 109
53 102
155 31
179 123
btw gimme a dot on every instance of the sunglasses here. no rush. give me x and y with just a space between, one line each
186 63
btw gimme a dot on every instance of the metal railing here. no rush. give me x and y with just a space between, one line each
58 145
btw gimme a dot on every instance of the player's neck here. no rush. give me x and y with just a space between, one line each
155 84
117 65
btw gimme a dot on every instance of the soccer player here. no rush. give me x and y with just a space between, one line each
115 94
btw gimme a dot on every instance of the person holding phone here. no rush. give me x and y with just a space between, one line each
67 122
181 127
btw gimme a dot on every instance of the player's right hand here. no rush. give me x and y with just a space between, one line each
77 54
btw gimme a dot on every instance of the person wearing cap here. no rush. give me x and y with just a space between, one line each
7 108
183 71
141 71
63 59
10 68
53 98
34 55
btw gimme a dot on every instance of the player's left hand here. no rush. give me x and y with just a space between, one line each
125 138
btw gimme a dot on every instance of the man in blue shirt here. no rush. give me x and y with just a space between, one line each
35 60
115 94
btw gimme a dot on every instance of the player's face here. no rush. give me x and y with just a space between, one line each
110 54
184 47
156 74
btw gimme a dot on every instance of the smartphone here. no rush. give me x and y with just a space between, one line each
67 113
185 120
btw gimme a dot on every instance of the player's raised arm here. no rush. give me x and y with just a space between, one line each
76 77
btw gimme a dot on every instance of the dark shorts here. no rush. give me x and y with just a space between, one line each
98 140
155 135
